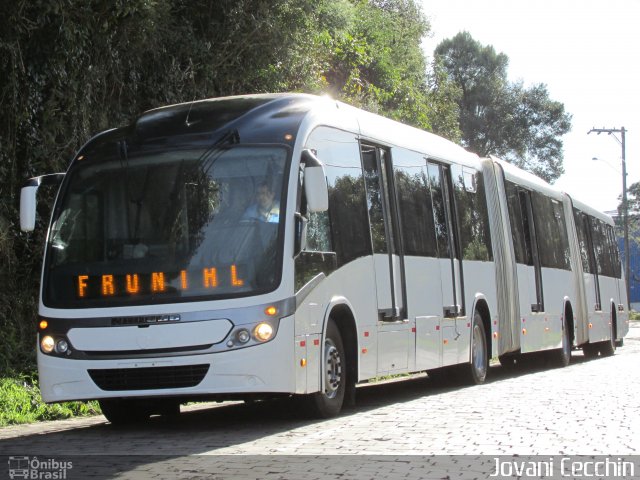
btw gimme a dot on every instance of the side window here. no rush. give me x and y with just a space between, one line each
471 208
318 232
318 229
348 227
603 244
414 204
374 198
583 242
517 217
551 232
615 255
436 184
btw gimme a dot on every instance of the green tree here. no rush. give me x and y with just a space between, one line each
69 69
633 209
522 125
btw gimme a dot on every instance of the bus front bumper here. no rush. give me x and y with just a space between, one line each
265 368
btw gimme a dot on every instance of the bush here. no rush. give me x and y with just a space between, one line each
20 402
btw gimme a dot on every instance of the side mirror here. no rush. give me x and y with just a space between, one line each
315 183
28 201
28 208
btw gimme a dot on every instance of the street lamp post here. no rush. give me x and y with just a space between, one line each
625 206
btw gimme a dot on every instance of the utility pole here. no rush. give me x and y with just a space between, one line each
625 205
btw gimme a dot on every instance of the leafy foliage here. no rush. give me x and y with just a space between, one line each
521 125
20 402
70 69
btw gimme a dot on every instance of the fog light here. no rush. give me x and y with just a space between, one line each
263 332
62 346
243 336
47 344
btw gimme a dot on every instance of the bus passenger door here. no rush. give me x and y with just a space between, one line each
394 332
532 330
591 278
383 223
450 262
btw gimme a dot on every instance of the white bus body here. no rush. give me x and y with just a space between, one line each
415 266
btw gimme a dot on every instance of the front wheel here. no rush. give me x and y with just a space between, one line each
328 402
120 411
127 411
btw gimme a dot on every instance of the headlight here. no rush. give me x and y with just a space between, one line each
243 335
62 346
263 332
47 344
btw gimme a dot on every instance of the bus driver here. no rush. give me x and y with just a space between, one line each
264 209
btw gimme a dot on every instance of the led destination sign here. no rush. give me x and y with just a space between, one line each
205 280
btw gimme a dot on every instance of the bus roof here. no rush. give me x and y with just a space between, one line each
591 211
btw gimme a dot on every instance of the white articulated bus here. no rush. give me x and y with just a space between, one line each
253 246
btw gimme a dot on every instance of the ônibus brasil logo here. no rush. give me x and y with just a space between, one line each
34 468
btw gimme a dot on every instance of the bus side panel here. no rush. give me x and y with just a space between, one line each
558 285
355 283
543 330
424 299
609 294
476 275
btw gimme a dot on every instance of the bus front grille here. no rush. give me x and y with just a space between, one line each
148 378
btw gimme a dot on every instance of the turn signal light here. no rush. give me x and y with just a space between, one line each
43 324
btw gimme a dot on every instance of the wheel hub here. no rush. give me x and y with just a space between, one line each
333 370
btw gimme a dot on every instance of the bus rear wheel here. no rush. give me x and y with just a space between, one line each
475 372
608 347
328 402
562 356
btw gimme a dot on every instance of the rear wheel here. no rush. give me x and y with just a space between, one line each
328 402
475 372
608 347
562 356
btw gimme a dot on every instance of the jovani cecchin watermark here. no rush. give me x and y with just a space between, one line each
563 467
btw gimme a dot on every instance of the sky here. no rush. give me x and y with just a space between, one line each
588 54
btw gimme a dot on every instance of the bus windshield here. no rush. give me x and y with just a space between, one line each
167 226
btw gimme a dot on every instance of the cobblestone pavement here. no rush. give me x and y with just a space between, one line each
591 407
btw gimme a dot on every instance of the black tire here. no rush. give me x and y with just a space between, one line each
328 402
475 372
509 362
168 408
608 347
442 376
121 411
562 356
590 350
